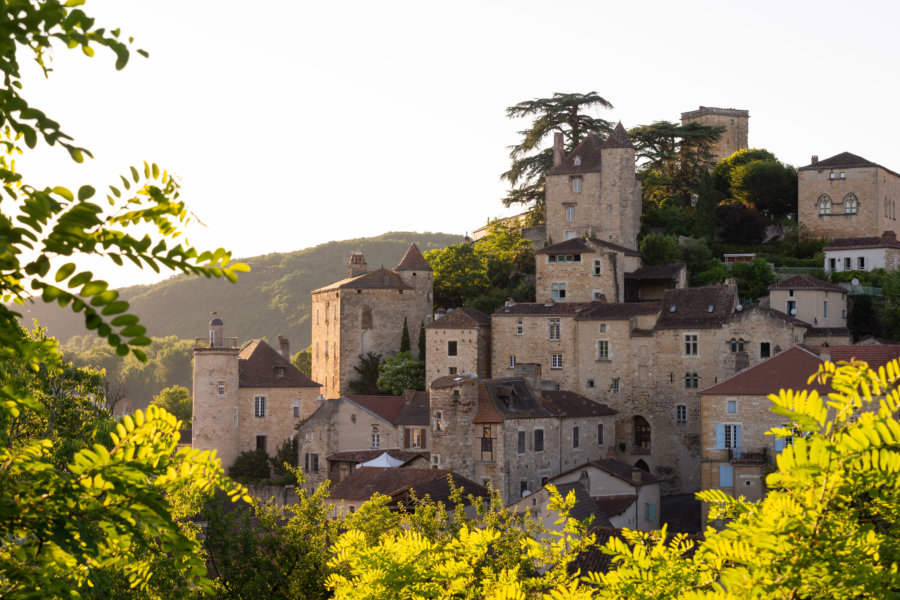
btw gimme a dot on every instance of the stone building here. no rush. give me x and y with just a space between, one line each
365 313
512 434
357 423
863 253
820 303
847 196
735 121
584 269
458 342
249 398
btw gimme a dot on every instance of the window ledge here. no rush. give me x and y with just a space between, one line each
603 360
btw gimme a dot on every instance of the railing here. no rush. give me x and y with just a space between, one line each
754 456
865 290
487 449
225 342
785 272
640 450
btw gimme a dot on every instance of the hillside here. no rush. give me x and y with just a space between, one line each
274 298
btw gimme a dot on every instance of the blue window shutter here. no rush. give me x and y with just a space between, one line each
652 512
737 436
779 444
720 437
726 476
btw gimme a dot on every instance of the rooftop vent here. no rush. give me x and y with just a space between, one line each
672 308
709 308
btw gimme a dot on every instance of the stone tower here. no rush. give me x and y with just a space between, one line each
735 122
620 191
357 265
215 394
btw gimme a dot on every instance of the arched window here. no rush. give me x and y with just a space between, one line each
641 433
824 205
851 204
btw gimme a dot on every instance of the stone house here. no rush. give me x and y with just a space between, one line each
248 398
365 313
356 423
458 342
537 505
511 434
863 253
736 124
583 270
820 303
847 196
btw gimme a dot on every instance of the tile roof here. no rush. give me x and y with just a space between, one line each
413 261
584 245
623 471
416 410
656 272
563 403
365 481
588 151
511 398
828 332
363 456
549 308
775 313
385 407
844 159
875 356
439 490
614 505
378 279
584 505
788 370
641 332
806 282
689 308
452 380
259 365
618 138
620 311
594 559
856 243
461 318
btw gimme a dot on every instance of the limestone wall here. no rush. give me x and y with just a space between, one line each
279 422
735 122
473 352
215 419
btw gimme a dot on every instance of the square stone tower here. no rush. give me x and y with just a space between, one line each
735 121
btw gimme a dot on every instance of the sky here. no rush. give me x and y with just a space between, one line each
292 123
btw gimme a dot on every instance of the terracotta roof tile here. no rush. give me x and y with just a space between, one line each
656 272
875 356
806 282
461 318
413 261
788 370
416 410
378 279
696 308
260 365
386 407
862 242
362 456
550 308
620 311
828 332
563 403
588 152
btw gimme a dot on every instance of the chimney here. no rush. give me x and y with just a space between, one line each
531 373
357 265
889 236
284 347
636 475
815 159
825 352
559 150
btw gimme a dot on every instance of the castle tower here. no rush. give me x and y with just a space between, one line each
415 272
620 191
215 394
735 121
357 265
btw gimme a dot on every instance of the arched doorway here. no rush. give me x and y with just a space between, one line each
640 464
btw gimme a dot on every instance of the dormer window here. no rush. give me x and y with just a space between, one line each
279 371
577 161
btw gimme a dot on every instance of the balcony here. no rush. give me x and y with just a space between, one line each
640 450
749 456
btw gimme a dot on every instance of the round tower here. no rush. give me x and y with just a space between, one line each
215 423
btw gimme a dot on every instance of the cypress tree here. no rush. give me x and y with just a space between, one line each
422 341
404 337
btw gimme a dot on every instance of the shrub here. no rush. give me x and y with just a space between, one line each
250 465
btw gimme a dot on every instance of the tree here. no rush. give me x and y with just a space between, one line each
176 400
401 372
116 506
366 381
768 185
740 224
705 211
422 340
753 278
657 249
722 172
303 361
404 337
562 113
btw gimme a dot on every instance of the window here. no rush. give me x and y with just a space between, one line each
521 443
726 476
376 437
556 361
553 327
782 443
641 433
737 345
452 370
576 185
861 263
438 420
851 204
570 213
523 488
558 291
825 309
570 235
614 385
732 407
451 348
512 361
220 388
261 443
279 371
416 438
598 267
575 436
791 307
599 434
680 414
259 407
602 349
520 327
728 437
590 383
435 461
297 409
843 175
311 463
764 350
649 511
832 266
847 263
690 344
824 205
538 440
691 381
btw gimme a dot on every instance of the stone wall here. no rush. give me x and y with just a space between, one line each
735 122
581 278
473 352
279 423
453 441
534 346
215 419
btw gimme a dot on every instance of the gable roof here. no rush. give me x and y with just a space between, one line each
365 481
806 282
259 366
413 260
600 311
387 408
416 410
378 279
550 308
788 370
589 153
883 241
618 138
584 245
510 398
611 506
439 490
875 356
563 403
461 318
618 469
706 307
364 456
844 159
657 272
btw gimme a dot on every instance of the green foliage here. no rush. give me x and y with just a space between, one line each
563 113
303 361
723 170
659 249
753 278
422 340
250 466
401 372
177 400
740 224
768 185
284 463
705 211
404 337
668 217
366 381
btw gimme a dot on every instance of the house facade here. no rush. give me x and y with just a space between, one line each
863 253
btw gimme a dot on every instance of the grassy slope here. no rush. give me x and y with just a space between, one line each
274 298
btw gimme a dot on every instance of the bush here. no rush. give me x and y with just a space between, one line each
250 465
286 453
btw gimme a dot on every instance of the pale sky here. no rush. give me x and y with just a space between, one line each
293 123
